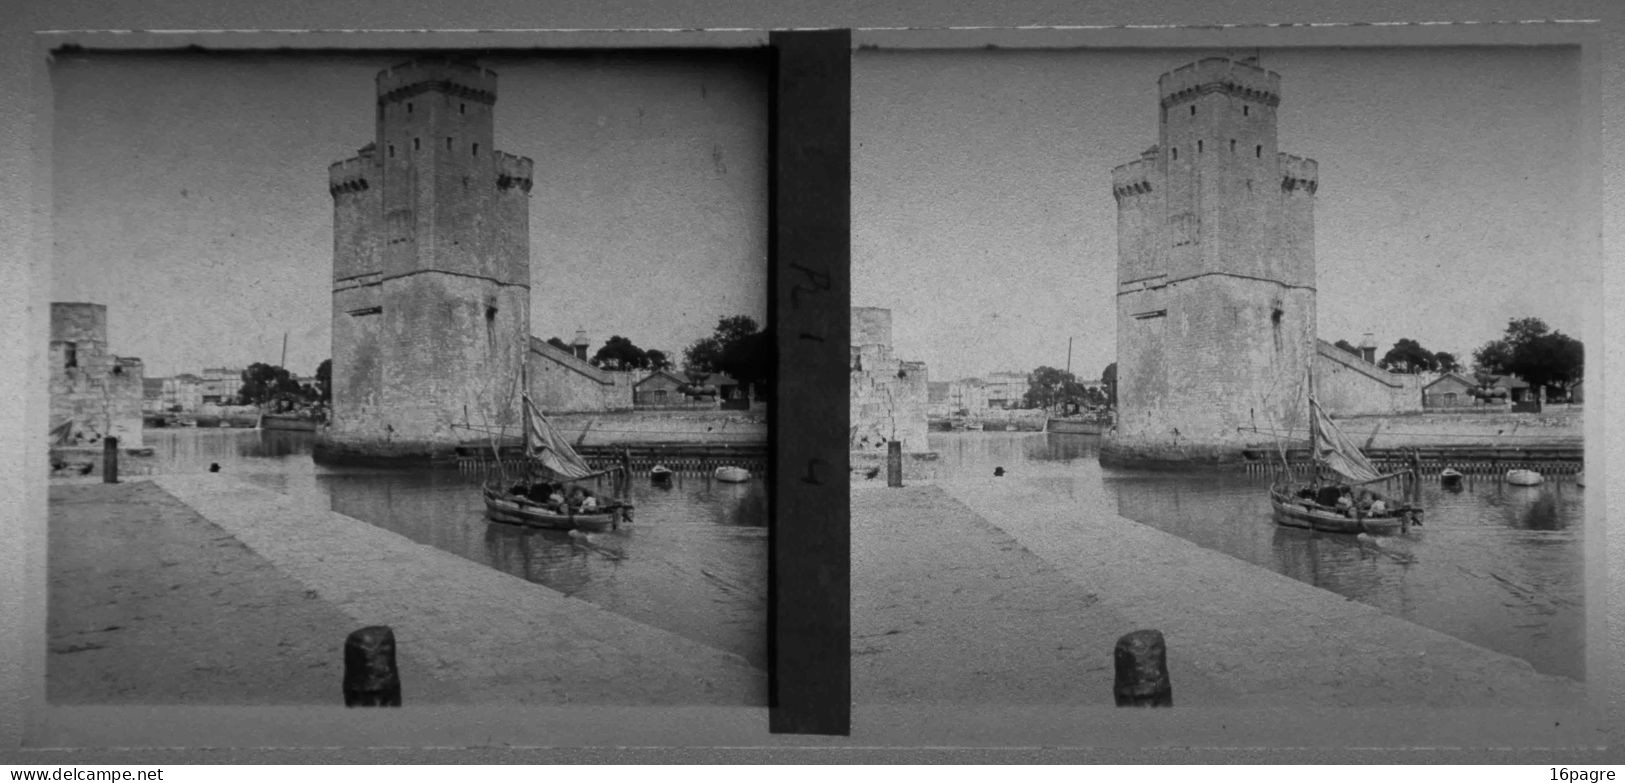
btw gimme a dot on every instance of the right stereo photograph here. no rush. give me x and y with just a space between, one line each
1235 378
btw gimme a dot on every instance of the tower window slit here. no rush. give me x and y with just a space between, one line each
1258 151
476 149
1246 110
1193 110
1232 145
462 108
1198 146
1176 153
408 107
448 144
392 150
415 145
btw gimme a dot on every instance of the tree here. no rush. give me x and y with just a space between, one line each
1447 362
561 345
324 380
263 383
619 353
658 360
1109 377
1531 351
735 348
1408 356
1347 346
1048 387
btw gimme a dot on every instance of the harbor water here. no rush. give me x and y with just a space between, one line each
1496 565
694 561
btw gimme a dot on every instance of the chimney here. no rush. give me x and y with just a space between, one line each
1368 348
580 344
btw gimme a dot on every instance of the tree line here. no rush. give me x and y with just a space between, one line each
1529 349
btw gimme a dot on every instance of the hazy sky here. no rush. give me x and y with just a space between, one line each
983 213
191 195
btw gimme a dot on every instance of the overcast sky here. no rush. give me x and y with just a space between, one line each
983 213
191 196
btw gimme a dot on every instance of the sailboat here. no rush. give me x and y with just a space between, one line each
553 461
1339 468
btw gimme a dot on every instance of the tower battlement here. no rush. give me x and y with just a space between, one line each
1299 173
1134 177
464 80
514 171
352 174
1219 74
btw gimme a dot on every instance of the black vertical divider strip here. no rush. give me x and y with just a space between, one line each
809 279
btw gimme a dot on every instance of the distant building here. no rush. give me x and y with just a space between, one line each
936 403
661 387
1006 390
1449 391
94 393
219 386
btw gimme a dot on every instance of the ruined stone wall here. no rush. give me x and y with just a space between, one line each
888 397
562 383
102 393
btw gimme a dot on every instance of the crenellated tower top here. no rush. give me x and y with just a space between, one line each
454 77
1241 78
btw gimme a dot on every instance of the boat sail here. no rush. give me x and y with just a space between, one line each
541 501
1335 456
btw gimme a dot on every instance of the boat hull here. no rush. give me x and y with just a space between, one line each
1523 478
271 421
732 475
506 508
1291 512
1064 426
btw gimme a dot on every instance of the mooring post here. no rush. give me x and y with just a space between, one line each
109 460
1142 671
370 676
894 463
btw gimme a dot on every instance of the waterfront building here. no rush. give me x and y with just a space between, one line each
888 396
93 392
431 269
1216 281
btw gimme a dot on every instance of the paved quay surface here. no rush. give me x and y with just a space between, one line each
303 577
1009 581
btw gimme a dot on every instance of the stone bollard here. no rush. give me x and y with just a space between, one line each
894 463
370 677
109 460
1142 671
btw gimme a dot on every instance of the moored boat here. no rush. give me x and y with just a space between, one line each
1449 477
285 421
517 509
1311 506
660 473
732 474
1520 477
1293 511
534 503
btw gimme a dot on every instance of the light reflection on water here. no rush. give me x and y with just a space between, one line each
1496 565
694 562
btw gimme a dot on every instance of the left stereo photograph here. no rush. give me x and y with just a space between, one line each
454 378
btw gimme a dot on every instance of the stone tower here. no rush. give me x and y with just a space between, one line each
1215 272
431 269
